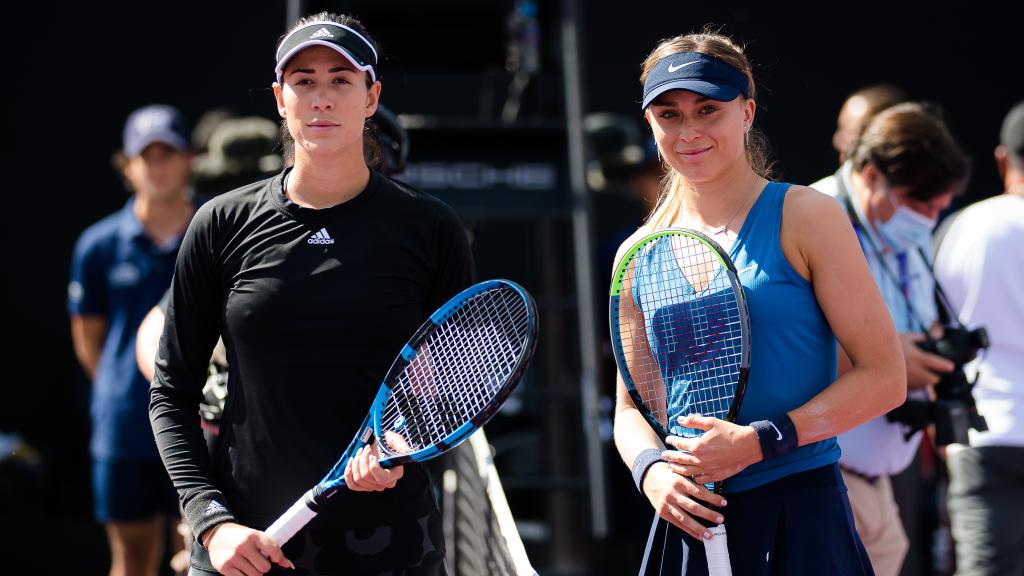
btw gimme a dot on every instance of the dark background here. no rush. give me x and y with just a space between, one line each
77 71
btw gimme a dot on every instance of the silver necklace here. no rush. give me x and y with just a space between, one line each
722 230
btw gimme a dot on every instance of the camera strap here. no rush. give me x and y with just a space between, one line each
900 280
947 313
946 309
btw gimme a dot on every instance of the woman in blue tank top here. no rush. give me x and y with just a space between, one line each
807 285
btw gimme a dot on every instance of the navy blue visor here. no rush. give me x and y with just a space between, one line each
696 72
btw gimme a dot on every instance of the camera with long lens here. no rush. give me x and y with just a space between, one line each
954 411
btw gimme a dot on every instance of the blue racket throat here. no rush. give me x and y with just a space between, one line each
335 479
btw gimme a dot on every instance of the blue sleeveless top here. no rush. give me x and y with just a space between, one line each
793 349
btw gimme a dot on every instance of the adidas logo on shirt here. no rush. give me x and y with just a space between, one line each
321 33
321 237
214 507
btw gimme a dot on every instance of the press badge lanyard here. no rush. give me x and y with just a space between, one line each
903 279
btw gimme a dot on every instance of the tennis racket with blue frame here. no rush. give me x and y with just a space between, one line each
449 380
681 339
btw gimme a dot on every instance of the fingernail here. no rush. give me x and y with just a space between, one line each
291 564
707 535
719 519
723 502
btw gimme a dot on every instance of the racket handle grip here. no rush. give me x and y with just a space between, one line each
293 520
717 552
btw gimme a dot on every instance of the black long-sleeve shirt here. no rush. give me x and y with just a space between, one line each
313 305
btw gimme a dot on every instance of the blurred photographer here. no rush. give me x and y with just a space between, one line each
980 263
859 107
903 169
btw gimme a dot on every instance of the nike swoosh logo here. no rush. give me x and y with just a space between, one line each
772 424
672 68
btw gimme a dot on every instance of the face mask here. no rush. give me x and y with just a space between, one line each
907 228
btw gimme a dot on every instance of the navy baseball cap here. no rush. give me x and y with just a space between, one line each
155 123
696 72
338 37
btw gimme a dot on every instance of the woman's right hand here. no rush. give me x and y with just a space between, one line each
678 499
235 549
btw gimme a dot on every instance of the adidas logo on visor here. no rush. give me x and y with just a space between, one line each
321 237
321 33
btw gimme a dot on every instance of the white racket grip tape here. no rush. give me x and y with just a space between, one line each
717 552
292 521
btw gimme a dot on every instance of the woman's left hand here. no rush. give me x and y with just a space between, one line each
365 474
721 452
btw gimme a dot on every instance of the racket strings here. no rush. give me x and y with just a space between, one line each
457 371
479 329
684 341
